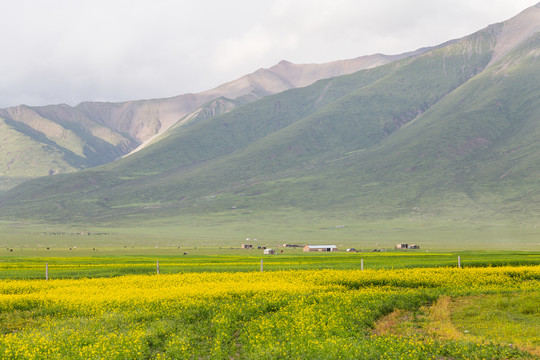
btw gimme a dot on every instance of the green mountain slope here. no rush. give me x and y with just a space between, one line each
440 135
18 166
39 142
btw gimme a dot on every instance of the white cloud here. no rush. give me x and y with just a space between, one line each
241 51
69 51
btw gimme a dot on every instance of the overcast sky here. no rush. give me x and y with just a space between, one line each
68 51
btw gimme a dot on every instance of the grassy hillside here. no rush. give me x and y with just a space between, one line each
471 157
53 140
475 151
37 157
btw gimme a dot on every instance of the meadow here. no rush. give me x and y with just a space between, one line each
108 262
217 304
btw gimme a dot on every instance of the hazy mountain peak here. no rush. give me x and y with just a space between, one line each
515 30
284 63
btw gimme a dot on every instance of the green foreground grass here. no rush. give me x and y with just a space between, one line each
510 318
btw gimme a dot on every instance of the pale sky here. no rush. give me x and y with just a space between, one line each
69 51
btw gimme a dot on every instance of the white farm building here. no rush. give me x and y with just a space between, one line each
308 248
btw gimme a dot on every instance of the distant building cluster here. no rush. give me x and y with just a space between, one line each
325 248
305 248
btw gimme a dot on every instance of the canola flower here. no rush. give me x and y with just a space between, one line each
315 314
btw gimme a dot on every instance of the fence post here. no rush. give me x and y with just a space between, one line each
157 267
261 265
47 271
362 264
459 261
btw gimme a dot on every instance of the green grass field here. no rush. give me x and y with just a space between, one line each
107 262
214 245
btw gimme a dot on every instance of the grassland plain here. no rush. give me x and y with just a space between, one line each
231 229
289 314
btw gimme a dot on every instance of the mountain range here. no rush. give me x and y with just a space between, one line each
56 139
448 133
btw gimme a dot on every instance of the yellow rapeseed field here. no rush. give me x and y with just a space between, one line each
315 314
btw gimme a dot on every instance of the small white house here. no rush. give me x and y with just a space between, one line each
269 251
308 248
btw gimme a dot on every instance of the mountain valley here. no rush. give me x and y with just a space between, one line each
443 135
